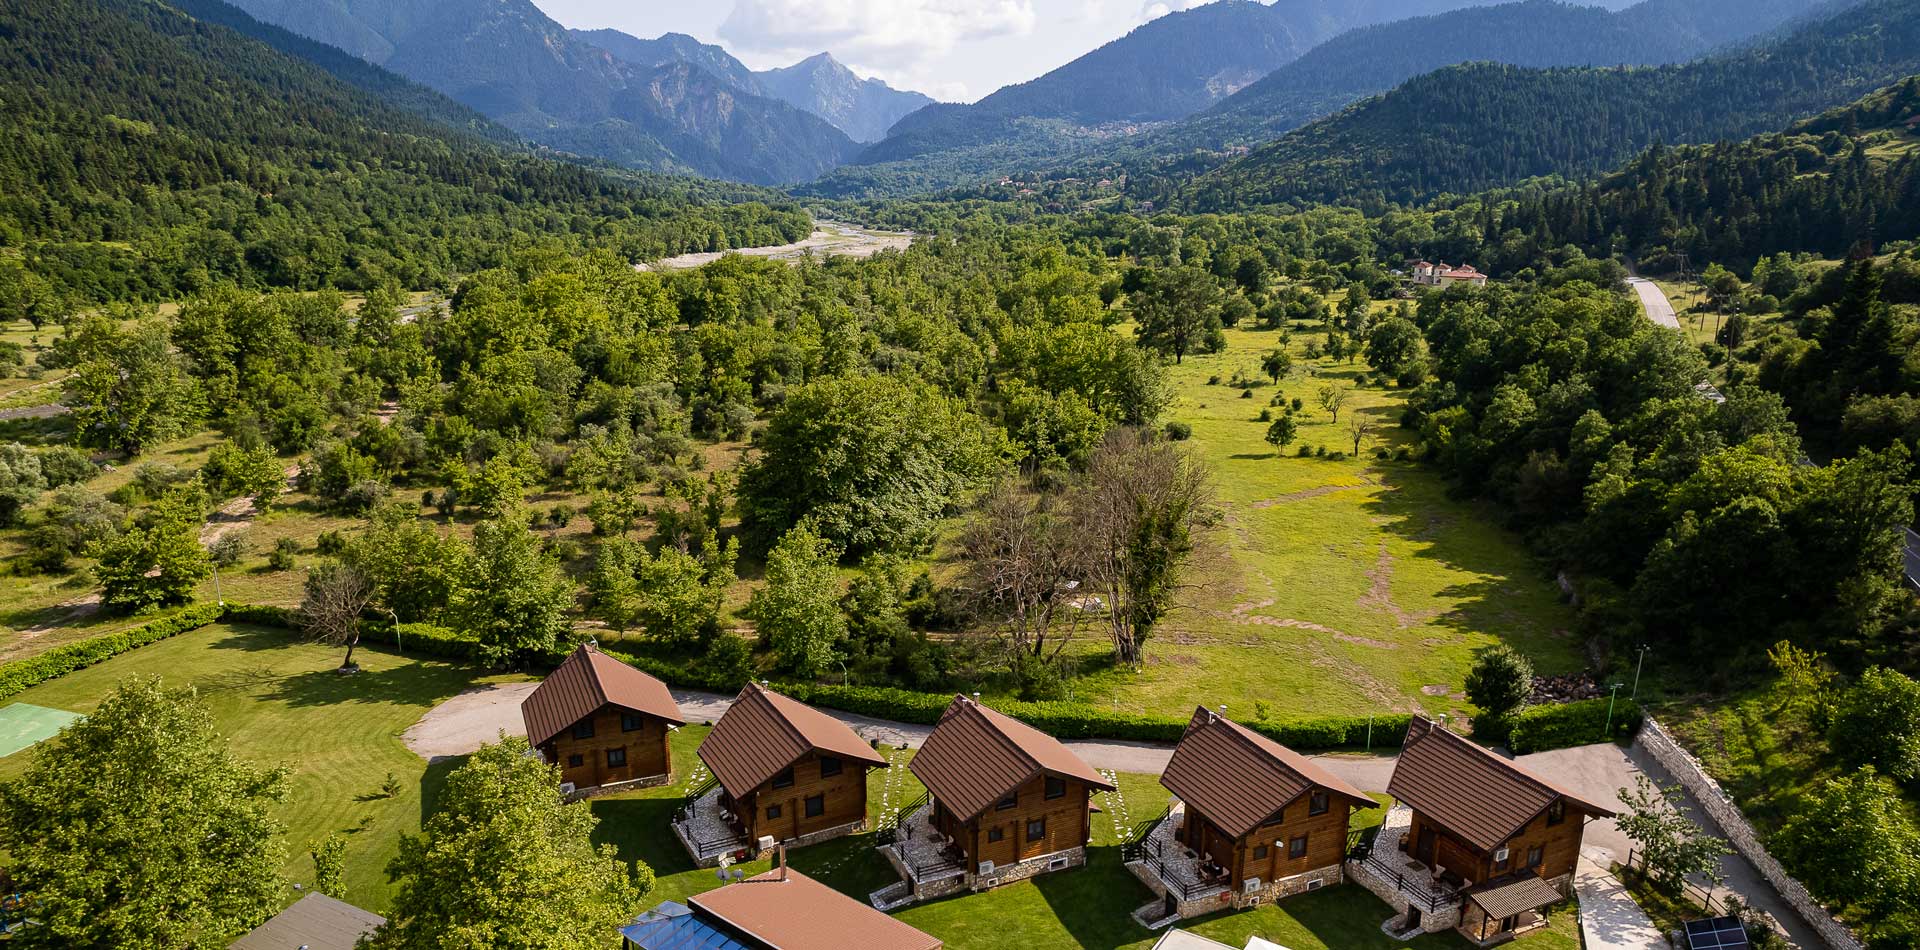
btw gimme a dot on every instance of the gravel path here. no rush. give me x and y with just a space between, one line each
1654 301
33 412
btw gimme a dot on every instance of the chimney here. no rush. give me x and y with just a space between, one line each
780 851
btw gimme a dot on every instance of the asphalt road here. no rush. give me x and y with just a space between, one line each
1654 301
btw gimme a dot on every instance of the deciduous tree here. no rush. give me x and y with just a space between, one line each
135 827
797 612
1145 511
506 862
336 595
1673 846
510 596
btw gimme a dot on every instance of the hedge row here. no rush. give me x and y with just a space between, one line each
1562 726
1062 720
23 674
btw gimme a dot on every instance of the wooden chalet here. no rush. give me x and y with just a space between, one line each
788 771
1008 801
1499 841
602 722
1254 821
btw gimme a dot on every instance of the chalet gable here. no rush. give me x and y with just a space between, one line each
1470 791
586 682
976 757
1239 779
763 733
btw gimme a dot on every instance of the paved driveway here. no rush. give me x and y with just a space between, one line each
1654 301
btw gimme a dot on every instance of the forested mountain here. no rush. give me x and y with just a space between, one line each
1481 125
1168 68
149 154
512 62
863 108
1538 33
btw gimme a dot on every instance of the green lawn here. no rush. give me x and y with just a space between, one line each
280 702
1349 586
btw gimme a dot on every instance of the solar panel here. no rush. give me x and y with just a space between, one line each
1719 933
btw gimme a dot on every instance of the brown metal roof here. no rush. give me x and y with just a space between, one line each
787 910
1510 896
1469 790
763 732
1239 778
975 756
587 681
315 922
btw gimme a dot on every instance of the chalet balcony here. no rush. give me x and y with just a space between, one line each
1181 872
1388 867
929 865
707 829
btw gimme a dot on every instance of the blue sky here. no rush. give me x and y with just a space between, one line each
955 50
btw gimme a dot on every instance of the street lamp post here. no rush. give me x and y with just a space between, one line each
1613 694
1637 667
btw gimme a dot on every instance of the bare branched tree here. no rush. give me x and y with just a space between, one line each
1332 396
1145 513
1023 566
336 595
1359 427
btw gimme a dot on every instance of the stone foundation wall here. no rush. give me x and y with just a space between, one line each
647 781
1289 886
1030 868
1433 922
1726 816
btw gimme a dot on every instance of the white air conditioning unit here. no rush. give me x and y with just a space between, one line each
986 867
766 842
1250 886
1500 855
566 788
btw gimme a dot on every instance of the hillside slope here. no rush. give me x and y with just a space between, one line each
1475 126
510 61
151 154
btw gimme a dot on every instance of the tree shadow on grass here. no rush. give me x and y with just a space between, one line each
434 781
641 829
1095 903
412 684
1464 537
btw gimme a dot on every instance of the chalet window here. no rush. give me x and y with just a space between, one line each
995 834
616 758
784 779
1056 788
816 805
1535 856
829 766
1297 848
576 760
1506 853
1557 812
630 722
1012 799
583 729
773 811
1317 804
1037 829
1260 852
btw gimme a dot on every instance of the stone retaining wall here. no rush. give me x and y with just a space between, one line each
1726 815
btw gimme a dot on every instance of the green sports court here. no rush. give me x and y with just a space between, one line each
24 724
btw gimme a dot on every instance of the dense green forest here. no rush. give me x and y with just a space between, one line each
1471 127
152 155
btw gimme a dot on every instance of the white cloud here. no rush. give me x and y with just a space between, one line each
886 36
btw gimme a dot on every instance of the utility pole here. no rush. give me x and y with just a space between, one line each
1637 667
1614 693
217 595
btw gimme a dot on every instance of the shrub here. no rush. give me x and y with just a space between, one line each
1306 451
59 661
1246 394
230 550
330 544
1877 723
282 558
1179 431
1266 415
1563 726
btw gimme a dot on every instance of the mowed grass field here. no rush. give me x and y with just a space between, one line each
279 702
1348 586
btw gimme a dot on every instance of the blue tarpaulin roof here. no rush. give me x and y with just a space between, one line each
674 926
